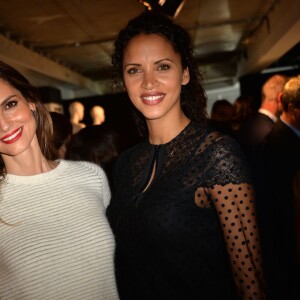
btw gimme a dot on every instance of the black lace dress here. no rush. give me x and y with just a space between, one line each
190 234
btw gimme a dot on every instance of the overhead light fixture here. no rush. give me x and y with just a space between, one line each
168 7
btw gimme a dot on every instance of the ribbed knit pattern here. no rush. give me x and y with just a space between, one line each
60 245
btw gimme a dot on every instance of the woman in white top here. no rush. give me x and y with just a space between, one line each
55 241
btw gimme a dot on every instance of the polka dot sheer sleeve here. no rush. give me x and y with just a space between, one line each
228 188
234 204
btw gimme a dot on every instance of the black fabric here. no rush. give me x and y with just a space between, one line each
178 238
252 133
276 211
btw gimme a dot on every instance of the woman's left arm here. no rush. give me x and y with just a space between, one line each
229 186
235 207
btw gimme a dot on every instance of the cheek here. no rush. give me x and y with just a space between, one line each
172 81
130 83
24 116
173 85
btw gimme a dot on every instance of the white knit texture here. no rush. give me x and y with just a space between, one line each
61 245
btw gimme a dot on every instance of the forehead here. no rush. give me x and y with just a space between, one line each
150 45
6 88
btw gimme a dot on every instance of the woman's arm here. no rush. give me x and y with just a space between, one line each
229 188
235 206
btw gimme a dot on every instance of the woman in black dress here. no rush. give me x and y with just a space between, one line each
182 209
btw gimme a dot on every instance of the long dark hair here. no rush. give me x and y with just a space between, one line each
193 97
41 115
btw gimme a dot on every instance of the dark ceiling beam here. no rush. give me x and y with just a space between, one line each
21 55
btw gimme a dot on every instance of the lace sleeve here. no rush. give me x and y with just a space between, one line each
234 204
232 194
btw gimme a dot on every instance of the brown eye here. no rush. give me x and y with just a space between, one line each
164 67
132 71
11 104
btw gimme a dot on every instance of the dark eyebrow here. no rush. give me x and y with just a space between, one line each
161 60
156 63
131 64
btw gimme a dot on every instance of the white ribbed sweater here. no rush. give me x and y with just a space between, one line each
61 245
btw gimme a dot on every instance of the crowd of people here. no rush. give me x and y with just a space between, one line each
203 207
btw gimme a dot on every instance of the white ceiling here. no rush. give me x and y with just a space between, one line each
67 43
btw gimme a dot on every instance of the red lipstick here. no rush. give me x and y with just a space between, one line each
13 136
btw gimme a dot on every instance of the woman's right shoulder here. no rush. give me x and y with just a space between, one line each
82 167
128 157
133 150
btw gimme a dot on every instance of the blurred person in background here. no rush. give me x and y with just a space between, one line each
243 108
62 133
97 114
76 110
221 115
96 143
252 132
278 207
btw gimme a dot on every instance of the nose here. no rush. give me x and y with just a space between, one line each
148 81
5 124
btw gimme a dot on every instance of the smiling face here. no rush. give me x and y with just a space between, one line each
17 123
153 76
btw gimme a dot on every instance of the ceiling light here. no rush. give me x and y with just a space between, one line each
168 7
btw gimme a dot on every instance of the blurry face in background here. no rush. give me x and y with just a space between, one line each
153 76
17 123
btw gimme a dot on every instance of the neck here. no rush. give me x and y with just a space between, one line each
162 132
271 106
29 162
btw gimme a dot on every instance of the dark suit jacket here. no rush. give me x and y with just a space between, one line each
252 133
276 213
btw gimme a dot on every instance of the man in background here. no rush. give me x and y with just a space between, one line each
252 132
277 208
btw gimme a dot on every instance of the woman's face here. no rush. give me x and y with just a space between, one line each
153 76
17 123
